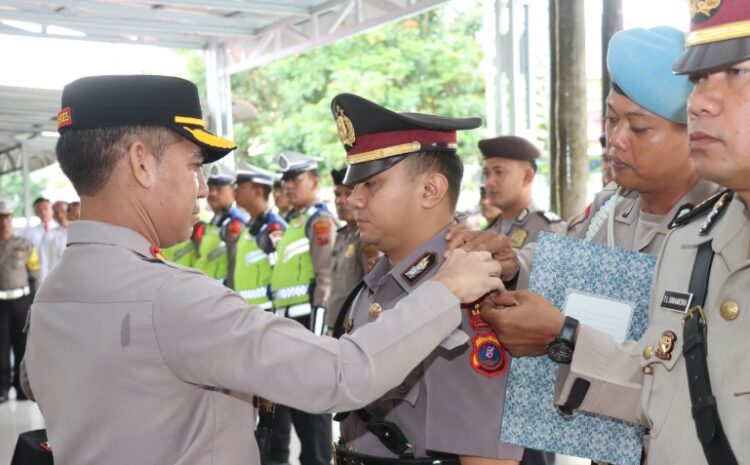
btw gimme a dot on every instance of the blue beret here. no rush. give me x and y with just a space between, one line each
640 63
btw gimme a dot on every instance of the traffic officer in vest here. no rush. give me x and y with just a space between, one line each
19 274
351 258
655 180
688 378
406 178
224 228
301 278
301 281
156 361
280 200
254 253
509 171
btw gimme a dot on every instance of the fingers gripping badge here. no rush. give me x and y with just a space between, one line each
488 356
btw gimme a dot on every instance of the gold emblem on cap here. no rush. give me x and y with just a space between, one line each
345 127
704 7
375 310
729 310
665 346
648 352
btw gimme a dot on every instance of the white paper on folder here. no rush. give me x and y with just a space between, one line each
609 316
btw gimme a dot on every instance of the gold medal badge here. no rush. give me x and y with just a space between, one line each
345 128
517 238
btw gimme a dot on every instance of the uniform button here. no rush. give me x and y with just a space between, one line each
375 310
403 387
648 352
729 310
648 370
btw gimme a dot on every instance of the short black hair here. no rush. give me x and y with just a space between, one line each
266 190
447 164
72 205
39 200
88 156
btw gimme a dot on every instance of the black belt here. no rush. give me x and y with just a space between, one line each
711 434
344 457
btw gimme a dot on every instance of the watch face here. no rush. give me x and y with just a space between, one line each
560 351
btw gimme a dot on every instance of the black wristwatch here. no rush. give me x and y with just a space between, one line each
561 349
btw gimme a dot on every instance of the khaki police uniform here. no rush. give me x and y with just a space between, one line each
629 231
163 362
350 264
527 225
452 403
645 381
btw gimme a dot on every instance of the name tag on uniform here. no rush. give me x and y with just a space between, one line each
676 301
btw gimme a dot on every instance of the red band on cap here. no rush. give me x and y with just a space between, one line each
721 13
64 118
380 140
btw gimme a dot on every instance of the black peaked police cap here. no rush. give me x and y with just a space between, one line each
376 138
139 100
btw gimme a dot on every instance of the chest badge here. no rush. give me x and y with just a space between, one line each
665 346
350 251
518 237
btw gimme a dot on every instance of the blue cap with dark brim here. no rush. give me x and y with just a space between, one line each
640 64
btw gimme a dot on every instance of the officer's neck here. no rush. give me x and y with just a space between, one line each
745 197
257 210
6 234
414 238
662 201
351 225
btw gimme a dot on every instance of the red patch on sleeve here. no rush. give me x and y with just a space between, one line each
235 227
198 231
322 230
274 227
475 318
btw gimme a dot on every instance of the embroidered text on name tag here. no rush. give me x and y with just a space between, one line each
677 301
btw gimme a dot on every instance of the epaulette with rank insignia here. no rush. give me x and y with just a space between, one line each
551 217
715 203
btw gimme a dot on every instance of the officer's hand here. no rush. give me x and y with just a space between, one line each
525 322
469 275
460 236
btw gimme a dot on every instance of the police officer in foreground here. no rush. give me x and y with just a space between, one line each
254 252
509 171
133 359
225 227
407 177
687 378
351 258
19 274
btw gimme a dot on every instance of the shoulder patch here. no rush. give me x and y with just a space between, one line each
580 218
488 355
551 217
420 267
322 232
682 218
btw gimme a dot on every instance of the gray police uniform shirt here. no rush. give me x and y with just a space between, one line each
349 266
137 361
527 225
453 401
632 382
627 217
15 269
630 231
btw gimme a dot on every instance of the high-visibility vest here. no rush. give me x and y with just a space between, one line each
293 272
252 271
212 254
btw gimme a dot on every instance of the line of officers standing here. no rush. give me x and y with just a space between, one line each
297 263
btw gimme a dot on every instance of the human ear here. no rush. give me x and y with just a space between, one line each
142 164
434 189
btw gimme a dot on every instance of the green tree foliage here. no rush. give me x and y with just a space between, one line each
12 188
429 63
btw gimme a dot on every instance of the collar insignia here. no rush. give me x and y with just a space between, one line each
419 268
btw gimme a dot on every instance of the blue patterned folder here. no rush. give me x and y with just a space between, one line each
561 265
